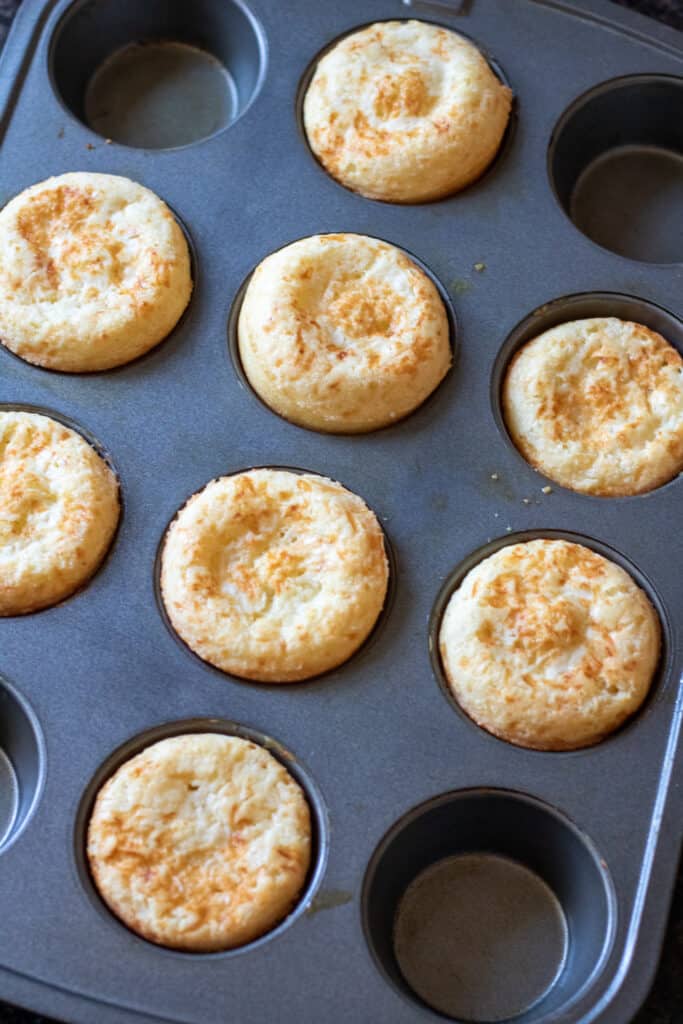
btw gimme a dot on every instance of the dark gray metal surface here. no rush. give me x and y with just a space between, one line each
376 735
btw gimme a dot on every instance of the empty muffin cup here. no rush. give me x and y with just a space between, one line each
487 905
22 763
616 164
157 75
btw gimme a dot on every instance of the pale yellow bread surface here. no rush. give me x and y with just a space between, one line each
597 405
94 271
59 508
405 111
274 576
201 842
549 645
343 333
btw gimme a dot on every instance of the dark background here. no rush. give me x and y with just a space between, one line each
665 1002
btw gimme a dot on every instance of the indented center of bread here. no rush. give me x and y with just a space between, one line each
363 310
84 244
611 397
275 567
552 629
69 243
261 554
401 95
531 622
24 497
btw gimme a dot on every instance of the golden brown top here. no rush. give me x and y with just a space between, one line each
94 270
343 332
549 644
273 575
597 404
405 111
201 842
59 507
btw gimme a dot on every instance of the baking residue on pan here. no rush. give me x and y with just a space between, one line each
328 899
462 285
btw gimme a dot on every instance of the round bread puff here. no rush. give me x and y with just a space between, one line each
405 111
597 405
94 271
202 842
343 333
549 645
274 576
59 508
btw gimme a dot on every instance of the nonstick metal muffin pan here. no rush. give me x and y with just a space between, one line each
397 777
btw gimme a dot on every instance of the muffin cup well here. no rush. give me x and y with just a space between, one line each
499 72
320 838
615 162
22 764
106 457
563 882
234 349
160 74
370 639
151 353
582 305
660 677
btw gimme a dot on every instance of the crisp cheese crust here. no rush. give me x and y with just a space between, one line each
59 508
405 111
274 576
94 271
343 333
549 645
597 405
202 842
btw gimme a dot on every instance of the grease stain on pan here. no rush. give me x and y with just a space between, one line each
329 899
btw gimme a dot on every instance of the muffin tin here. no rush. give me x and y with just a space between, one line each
396 777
